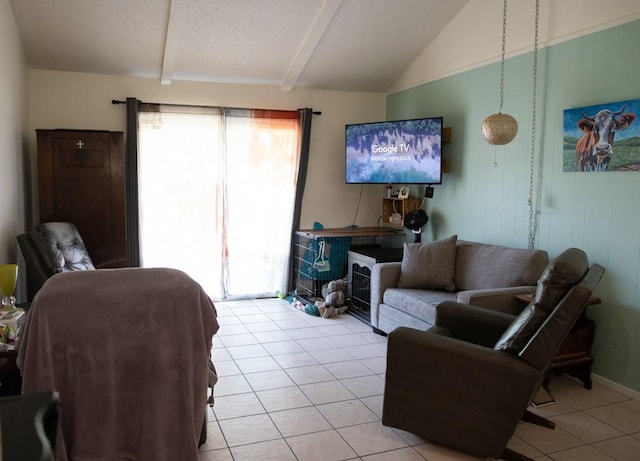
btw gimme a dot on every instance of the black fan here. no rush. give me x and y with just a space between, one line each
414 220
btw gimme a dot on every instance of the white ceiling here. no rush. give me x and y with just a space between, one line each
353 45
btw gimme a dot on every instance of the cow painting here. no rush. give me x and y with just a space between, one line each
595 148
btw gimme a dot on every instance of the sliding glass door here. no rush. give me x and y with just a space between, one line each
216 195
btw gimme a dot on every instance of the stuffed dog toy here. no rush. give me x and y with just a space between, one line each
335 293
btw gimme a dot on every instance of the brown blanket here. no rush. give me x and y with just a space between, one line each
129 352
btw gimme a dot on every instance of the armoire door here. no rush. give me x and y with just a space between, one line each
81 179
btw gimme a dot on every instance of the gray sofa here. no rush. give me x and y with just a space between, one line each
406 293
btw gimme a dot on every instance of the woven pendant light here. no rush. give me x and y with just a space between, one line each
500 129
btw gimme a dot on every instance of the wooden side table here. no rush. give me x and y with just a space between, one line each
574 356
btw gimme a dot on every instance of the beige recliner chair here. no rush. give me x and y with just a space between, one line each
466 382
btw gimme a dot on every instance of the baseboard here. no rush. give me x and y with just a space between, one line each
631 393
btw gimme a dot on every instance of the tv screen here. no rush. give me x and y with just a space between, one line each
394 152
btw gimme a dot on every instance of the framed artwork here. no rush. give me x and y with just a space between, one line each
403 192
603 137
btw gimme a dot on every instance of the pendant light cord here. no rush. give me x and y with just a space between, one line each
504 41
533 220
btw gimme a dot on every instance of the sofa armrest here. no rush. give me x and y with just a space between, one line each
383 276
422 351
472 324
497 299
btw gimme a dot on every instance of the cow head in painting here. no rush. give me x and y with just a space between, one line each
594 149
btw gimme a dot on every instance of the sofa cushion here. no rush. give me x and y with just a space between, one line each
429 266
557 279
417 303
482 266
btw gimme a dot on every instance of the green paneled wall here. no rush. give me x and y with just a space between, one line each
485 196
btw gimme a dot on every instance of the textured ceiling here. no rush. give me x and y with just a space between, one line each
354 45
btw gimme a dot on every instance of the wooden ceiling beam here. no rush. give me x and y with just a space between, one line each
172 40
310 42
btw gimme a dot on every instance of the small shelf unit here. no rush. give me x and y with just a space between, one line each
395 209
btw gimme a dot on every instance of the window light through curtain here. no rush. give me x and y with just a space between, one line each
216 195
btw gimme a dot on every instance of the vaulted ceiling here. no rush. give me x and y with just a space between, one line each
352 45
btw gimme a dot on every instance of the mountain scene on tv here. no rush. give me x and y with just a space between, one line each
395 152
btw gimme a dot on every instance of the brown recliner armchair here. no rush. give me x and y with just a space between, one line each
466 382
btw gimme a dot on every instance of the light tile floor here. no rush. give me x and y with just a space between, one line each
297 387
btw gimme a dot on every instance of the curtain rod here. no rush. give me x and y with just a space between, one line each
116 101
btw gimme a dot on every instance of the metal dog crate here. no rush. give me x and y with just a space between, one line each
320 255
361 264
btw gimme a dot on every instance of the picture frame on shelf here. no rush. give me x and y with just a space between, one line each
403 192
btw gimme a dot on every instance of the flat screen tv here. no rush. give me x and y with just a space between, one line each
394 152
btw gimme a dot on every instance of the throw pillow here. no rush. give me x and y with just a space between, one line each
429 265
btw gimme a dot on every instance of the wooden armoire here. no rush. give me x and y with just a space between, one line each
81 179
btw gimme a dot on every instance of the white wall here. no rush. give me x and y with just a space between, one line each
12 124
474 37
83 101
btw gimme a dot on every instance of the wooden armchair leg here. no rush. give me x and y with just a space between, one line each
531 417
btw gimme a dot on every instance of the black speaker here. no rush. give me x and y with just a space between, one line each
428 192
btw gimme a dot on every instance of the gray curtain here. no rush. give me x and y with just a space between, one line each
306 116
131 184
